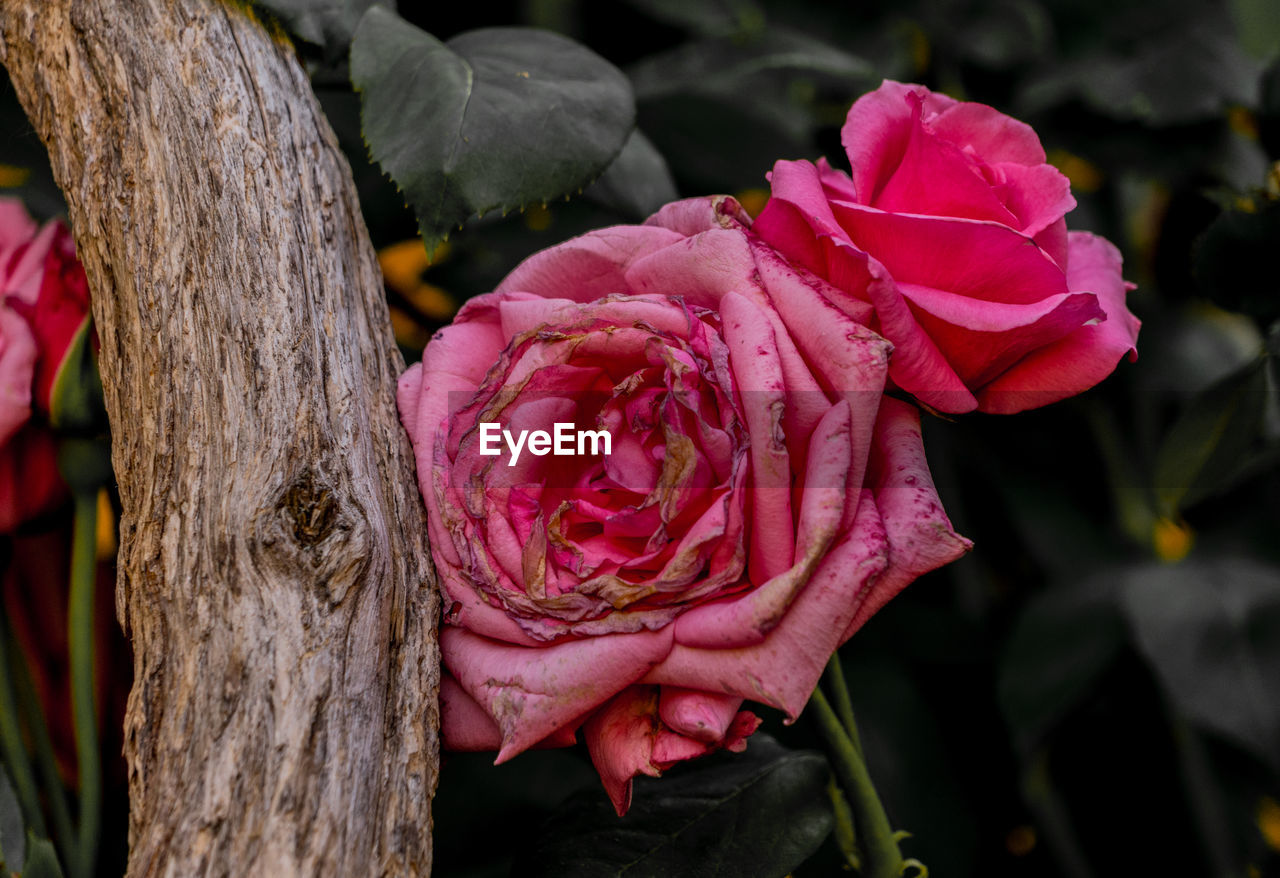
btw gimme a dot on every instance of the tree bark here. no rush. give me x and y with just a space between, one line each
274 575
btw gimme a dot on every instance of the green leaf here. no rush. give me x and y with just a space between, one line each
1064 640
709 17
1190 72
495 119
1206 445
719 66
637 183
12 848
1211 632
328 23
1234 260
42 861
761 812
76 402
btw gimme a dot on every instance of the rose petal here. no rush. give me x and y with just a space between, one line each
748 619
982 342
1012 270
1088 354
782 670
989 133
934 177
758 372
531 693
464 725
30 485
875 136
702 716
587 267
620 740
17 371
690 216
1039 195
919 534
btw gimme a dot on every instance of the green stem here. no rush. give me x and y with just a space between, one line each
1052 816
15 754
46 761
843 703
84 567
883 859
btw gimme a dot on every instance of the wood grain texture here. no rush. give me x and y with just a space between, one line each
274 575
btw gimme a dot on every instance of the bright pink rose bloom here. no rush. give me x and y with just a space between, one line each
949 240
44 301
762 497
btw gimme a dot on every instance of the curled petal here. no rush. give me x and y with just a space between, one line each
532 693
919 534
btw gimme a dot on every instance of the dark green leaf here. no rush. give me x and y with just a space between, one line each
709 17
760 813
637 183
1210 440
42 861
496 119
1065 639
1184 74
1258 22
328 23
682 125
720 65
1211 631
77 402
12 849
1269 108
1234 260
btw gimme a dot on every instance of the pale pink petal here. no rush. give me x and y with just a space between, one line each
531 693
701 270
690 216
17 371
587 267
748 619
464 725
694 713
16 227
783 670
620 739
920 536
758 373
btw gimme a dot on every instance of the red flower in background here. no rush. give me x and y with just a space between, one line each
44 303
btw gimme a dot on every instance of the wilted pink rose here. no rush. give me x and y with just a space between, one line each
760 500
949 240
44 302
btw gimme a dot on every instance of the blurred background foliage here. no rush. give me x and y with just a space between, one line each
1095 690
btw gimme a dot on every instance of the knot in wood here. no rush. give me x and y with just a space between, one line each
311 508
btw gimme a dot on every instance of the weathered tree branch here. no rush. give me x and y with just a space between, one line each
273 569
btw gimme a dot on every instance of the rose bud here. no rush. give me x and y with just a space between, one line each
760 497
949 240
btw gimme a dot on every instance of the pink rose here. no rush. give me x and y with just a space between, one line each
949 240
760 500
44 302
